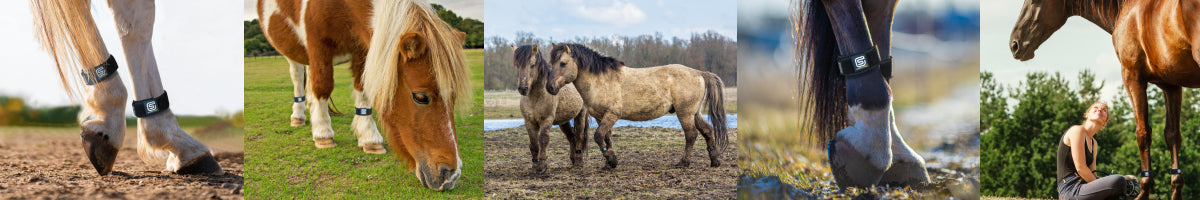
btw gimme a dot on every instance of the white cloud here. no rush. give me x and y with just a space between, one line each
620 13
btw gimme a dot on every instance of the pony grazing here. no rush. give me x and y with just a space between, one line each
406 61
840 44
66 31
1156 42
543 110
612 91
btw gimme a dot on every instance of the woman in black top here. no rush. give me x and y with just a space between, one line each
1076 161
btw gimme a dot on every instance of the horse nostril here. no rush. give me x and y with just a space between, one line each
1014 46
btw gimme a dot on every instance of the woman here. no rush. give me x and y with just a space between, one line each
1076 161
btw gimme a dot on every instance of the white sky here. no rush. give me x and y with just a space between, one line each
198 46
1077 46
567 19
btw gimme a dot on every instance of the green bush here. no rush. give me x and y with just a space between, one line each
1020 141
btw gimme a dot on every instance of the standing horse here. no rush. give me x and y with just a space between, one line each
406 61
612 91
840 46
543 110
1156 42
66 31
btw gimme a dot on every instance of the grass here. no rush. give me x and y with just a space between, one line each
282 162
506 104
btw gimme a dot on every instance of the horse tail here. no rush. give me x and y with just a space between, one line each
333 108
822 99
715 96
66 31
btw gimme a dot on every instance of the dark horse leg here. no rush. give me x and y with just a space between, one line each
533 129
706 130
578 139
688 122
1174 96
569 132
1137 96
604 140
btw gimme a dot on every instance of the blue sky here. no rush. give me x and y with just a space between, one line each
568 19
198 46
1078 45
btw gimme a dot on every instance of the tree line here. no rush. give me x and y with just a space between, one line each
709 51
1023 125
255 44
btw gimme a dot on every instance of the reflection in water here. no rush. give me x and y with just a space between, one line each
666 121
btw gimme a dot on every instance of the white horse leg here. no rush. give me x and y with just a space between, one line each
159 136
859 155
104 134
298 85
322 129
364 126
908 167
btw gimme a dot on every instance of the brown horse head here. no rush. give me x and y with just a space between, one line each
415 71
1039 19
531 67
566 60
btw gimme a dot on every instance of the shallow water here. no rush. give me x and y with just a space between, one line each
666 121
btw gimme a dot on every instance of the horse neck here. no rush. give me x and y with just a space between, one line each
1103 13
587 79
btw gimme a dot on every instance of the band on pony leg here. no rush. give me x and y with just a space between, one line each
362 111
99 73
149 107
299 99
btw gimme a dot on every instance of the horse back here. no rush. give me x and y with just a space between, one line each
337 27
651 92
1158 41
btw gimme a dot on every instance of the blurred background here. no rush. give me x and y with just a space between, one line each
935 45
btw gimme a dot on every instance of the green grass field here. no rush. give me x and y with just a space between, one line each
282 163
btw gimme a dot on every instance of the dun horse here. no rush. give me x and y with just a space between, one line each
612 91
1156 42
405 61
543 110
840 45
66 31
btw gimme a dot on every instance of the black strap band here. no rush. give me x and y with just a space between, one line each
362 111
886 67
858 63
1146 173
100 72
578 151
299 99
535 160
1175 171
148 107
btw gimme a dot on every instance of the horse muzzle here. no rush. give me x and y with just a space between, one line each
1021 52
99 150
523 90
443 178
551 89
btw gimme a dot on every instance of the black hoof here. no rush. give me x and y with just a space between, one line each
205 164
683 164
99 151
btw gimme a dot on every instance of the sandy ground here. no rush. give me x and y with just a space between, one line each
48 163
646 170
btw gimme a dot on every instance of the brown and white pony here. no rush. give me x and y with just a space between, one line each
406 61
1156 42
68 33
543 110
612 91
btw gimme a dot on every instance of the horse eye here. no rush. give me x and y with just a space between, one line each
562 64
420 98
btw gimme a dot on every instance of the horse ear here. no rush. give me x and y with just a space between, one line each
535 49
567 48
514 47
412 45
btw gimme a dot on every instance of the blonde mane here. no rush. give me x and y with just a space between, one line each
389 22
55 24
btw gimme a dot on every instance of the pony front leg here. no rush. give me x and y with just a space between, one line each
297 71
859 155
533 129
908 167
1137 97
159 137
104 134
604 140
364 126
1174 97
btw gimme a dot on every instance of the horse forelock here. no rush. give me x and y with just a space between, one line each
589 60
522 58
444 51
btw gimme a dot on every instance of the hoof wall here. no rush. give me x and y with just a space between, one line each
205 164
374 149
324 142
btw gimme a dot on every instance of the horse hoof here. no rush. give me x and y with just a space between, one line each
297 122
374 149
714 164
205 164
683 164
324 142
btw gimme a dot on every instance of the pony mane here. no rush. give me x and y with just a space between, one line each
521 58
823 104
589 60
66 31
389 21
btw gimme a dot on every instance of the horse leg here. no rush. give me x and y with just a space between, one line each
159 135
297 71
1173 95
688 122
321 86
908 167
544 142
1137 94
364 126
706 130
604 140
580 128
533 129
572 138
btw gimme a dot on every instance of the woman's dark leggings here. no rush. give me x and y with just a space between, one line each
1109 187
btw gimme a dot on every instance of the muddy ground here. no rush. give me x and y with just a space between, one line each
48 163
646 171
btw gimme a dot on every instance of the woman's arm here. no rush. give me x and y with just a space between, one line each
1075 139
